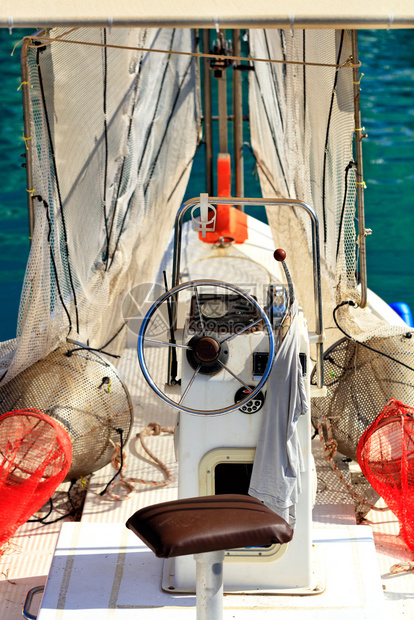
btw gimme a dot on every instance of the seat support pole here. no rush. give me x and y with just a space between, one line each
209 585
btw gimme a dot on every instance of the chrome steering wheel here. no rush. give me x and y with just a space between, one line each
205 341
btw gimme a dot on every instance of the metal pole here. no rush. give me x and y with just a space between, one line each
208 126
222 112
268 202
27 134
209 585
238 119
359 173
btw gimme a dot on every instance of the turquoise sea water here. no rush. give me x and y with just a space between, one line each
388 116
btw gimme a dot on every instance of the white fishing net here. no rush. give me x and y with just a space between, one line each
113 134
302 125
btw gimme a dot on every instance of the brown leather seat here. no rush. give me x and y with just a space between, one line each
205 524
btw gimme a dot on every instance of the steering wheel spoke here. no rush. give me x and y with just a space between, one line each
200 314
190 383
242 330
227 369
167 344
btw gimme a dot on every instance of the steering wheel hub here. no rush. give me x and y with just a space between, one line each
207 354
207 349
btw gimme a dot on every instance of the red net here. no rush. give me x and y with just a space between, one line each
386 457
35 456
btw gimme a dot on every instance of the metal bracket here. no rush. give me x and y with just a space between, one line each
204 224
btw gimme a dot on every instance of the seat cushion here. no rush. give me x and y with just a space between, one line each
211 523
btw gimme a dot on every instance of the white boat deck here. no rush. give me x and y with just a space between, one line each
103 571
92 556
355 577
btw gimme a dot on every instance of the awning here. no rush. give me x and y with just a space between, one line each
208 14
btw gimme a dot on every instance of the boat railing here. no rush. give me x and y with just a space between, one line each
269 203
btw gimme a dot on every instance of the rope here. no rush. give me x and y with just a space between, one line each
118 462
347 63
401 567
330 448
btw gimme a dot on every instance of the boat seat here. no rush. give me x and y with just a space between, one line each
205 527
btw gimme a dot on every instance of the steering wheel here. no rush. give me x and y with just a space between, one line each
206 340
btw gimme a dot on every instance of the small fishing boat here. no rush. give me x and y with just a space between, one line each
215 371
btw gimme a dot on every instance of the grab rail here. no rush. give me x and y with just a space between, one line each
28 602
269 202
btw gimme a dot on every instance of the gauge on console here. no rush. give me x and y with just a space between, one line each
214 308
252 406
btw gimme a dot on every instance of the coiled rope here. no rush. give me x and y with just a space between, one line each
118 462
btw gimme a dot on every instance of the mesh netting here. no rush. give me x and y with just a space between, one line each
386 457
361 381
35 456
113 132
81 391
302 125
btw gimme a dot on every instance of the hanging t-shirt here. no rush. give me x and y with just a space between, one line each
278 462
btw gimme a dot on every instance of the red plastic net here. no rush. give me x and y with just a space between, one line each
386 457
35 456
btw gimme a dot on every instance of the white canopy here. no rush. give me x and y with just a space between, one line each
207 14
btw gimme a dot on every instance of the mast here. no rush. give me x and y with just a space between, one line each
238 120
208 124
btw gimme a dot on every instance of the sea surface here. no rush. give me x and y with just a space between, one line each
387 100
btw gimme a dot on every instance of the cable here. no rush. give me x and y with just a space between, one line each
155 160
68 514
121 172
121 461
49 40
52 153
105 123
52 257
353 304
325 153
87 348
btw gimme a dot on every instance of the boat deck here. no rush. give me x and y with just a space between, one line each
101 548
28 557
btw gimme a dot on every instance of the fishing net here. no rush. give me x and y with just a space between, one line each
84 394
302 127
112 131
386 458
360 381
35 456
